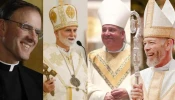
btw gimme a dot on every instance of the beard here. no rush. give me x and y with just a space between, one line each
153 62
66 41
156 60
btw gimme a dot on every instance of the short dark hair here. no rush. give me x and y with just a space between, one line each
9 7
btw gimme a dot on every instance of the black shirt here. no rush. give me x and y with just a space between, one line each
11 84
20 83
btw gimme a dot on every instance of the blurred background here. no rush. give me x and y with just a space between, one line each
36 59
94 27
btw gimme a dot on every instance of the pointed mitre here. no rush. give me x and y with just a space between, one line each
113 12
63 15
159 22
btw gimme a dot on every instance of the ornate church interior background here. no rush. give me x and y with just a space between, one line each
94 26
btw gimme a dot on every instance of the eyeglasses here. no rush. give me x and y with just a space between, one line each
28 27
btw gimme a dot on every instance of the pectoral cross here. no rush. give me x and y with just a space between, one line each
47 73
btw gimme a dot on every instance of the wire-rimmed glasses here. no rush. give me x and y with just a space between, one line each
28 27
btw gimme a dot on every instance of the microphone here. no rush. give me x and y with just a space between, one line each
79 43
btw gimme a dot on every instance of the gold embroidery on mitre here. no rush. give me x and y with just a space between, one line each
70 12
62 16
149 15
61 2
160 32
156 31
53 16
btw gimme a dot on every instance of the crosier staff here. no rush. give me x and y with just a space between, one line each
135 28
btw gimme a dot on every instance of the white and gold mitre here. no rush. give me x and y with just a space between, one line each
63 15
159 22
114 12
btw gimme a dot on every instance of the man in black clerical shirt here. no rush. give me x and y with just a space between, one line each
20 30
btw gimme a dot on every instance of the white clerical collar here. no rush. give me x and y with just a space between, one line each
121 49
63 50
165 67
11 65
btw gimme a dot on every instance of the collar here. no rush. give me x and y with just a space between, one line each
64 50
121 49
7 66
165 67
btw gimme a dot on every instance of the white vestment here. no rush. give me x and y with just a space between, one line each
61 62
107 71
159 83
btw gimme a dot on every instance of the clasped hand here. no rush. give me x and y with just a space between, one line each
117 94
137 92
49 86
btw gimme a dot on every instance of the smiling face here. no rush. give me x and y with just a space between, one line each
19 43
112 37
66 36
157 51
